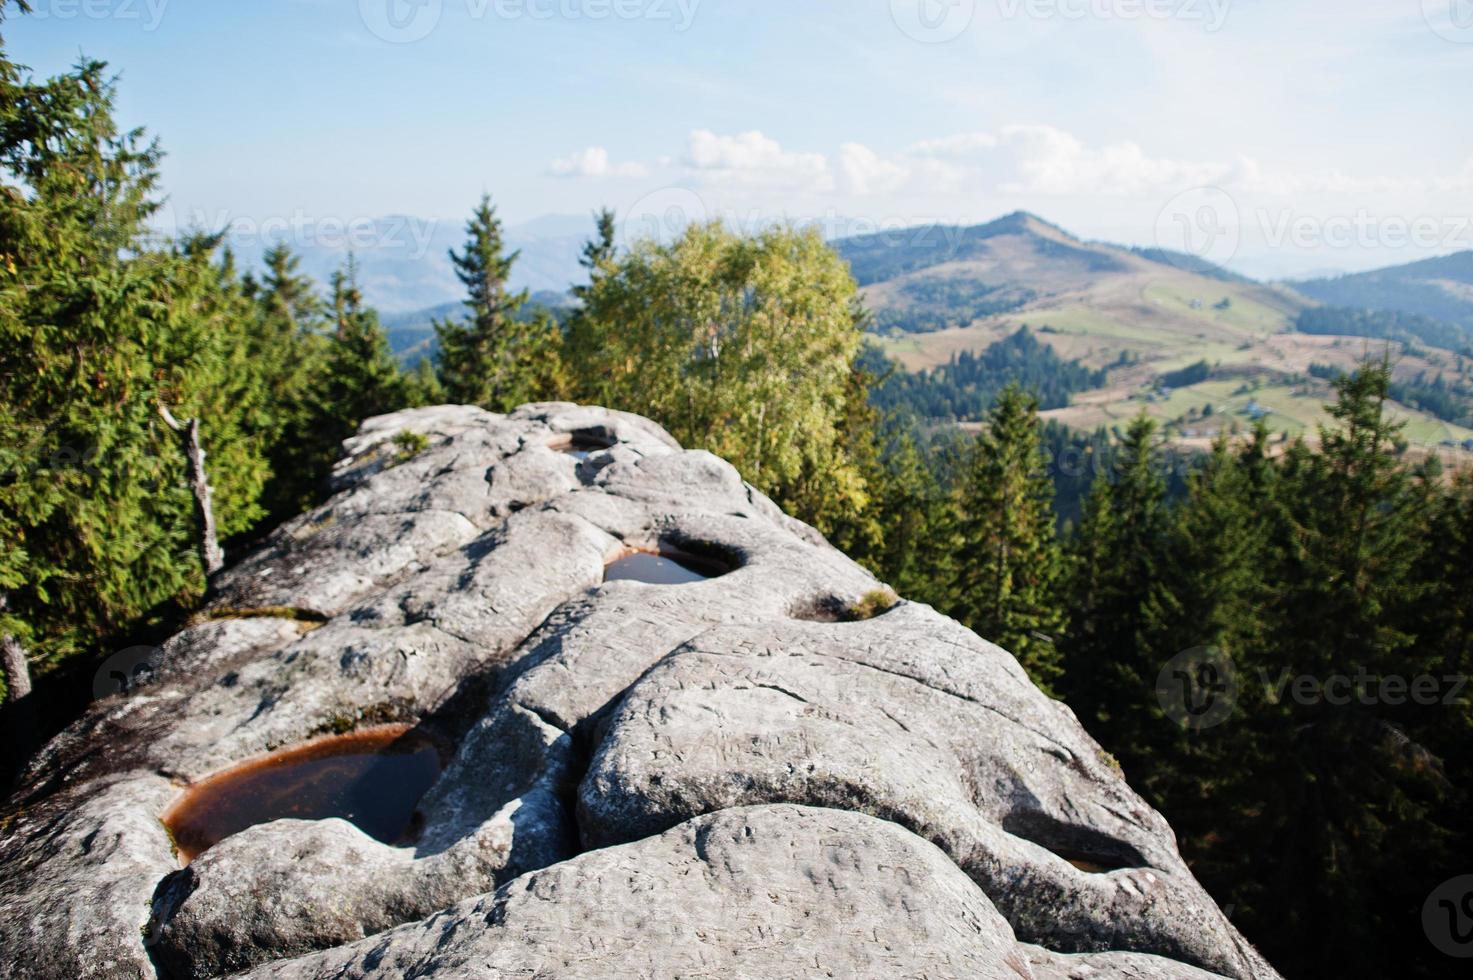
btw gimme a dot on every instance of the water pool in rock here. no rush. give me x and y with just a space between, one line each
663 568
373 778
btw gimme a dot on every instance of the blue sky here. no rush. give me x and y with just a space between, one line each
1323 134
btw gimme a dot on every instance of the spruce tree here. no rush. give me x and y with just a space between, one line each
496 358
1345 797
918 547
362 376
597 258
289 343
290 296
102 334
1009 563
1210 594
598 253
1110 676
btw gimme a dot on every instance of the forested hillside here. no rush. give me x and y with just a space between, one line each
965 388
1438 289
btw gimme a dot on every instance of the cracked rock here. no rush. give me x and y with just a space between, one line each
692 780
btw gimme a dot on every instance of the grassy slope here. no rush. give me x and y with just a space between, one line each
1164 318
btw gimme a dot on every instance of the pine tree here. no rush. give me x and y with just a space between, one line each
1345 801
598 253
362 376
1210 593
104 334
1109 677
290 297
289 344
496 358
1009 563
918 548
583 343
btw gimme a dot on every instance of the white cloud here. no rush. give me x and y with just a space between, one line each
866 172
959 146
751 157
1050 161
594 162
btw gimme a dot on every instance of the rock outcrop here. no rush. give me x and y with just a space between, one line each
724 778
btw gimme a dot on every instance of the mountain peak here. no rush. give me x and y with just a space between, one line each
1028 223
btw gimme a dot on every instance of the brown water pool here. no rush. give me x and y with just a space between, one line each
666 567
373 778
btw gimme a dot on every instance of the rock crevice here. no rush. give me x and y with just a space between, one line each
649 780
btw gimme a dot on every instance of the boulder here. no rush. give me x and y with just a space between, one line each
719 778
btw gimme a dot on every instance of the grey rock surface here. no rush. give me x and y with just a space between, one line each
706 779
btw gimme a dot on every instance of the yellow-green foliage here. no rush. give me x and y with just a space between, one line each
740 345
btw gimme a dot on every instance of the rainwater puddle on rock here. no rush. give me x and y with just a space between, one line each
372 778
665 568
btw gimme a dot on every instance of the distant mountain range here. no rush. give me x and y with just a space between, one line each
412 334
404 265
1138 317
917 278
1200 348
1441 289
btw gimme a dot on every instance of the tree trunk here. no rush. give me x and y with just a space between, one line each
18 726
211 556
17 671
13 662
209 545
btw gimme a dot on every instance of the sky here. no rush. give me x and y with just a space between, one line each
1279 138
